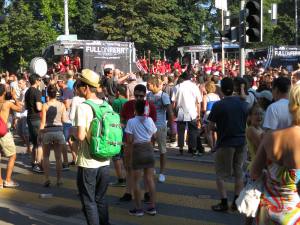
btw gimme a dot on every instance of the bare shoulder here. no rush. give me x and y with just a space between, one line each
8 104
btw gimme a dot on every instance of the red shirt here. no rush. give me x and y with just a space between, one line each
77 62
127 111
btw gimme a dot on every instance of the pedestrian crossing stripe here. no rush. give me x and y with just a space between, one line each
162 197
201 202
116 213
171 164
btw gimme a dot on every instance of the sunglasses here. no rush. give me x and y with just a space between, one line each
139 96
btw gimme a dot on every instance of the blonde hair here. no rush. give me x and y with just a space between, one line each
210 87
155 81
294 104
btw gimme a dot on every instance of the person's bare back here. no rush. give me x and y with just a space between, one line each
283 147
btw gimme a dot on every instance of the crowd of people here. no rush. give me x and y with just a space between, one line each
255 115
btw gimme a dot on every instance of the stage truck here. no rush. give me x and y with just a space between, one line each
287 56
95 55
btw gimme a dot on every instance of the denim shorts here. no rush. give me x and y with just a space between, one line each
53 137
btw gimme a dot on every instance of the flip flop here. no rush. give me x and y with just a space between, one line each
11 184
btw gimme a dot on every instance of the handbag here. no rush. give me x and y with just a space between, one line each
3 128
3 125
249 198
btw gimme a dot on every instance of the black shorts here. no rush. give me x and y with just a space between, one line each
33 128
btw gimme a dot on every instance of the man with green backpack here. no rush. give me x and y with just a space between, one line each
100 135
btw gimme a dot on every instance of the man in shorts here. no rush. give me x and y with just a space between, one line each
228 117
7 141
118 159
33 103
162 103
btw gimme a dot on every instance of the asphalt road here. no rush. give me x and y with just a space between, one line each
184 199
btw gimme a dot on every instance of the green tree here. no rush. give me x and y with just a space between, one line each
52 12
193 15
151 24
84 19
23 37
282 33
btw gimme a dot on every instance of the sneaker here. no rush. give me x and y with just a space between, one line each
219 207
161 178
151 211
234 207
119 183
172 145
147 198
72 163
37 169
11 184
126 198
136 212
65 167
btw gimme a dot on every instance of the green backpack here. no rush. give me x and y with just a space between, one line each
106 131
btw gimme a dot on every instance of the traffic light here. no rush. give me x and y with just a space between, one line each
255 20
231 34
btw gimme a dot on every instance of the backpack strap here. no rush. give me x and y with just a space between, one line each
254 95
95 106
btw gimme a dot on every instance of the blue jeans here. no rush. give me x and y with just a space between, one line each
92 185
67 127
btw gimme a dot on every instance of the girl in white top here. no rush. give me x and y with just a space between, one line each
139 131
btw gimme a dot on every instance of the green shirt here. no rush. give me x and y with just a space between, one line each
118 104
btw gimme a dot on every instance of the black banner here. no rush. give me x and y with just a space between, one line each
286 56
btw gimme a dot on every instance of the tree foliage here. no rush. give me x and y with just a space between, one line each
282 33
22 37
82 22
149 23
30 25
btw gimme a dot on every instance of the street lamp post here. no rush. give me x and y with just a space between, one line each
66 17
242 38
296 22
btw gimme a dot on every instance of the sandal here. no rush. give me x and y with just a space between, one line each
47 183
219 207
11 184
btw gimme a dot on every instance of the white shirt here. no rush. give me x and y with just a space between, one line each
76 101
14 85
21 98
186 95
83 118
142 128
277 115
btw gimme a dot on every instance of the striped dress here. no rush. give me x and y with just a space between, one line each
280 202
